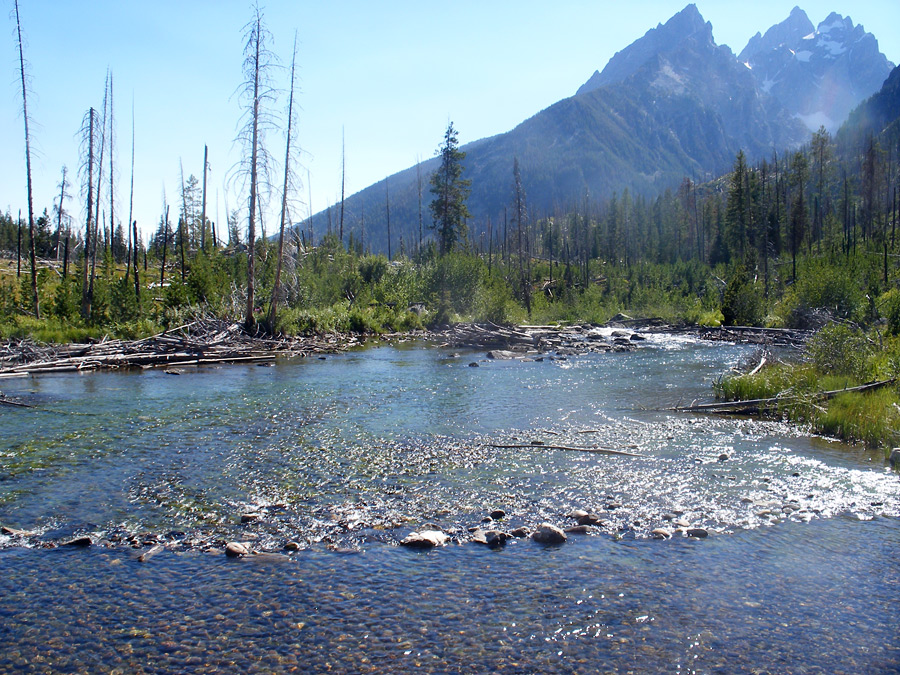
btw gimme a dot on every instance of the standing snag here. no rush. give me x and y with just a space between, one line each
34 289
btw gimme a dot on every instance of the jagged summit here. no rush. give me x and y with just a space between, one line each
688 24
818 75
789 31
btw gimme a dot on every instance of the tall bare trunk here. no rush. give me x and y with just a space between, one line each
182 222
343 177
387 210
86 298
249 319
137 278
112 227
203 205
34 289
132 241
162 268
60 210
276 288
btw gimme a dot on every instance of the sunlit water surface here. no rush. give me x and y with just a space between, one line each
347 455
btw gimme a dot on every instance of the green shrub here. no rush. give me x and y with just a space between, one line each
838 349
742 304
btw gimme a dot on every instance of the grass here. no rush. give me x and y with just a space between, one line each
59 331
872 418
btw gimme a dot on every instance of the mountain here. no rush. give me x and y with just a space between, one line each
688 24
819 75
879 115
671 104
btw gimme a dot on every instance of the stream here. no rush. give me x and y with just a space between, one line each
344 456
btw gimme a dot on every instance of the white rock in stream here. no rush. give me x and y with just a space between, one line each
235 549
425 539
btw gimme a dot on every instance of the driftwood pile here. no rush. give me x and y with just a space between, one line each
773 337
494 336
197 343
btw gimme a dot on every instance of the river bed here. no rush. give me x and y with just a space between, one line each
344 456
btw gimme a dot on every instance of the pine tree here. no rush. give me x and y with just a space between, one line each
450 190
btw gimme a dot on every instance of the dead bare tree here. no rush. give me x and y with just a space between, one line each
182 222
254 167
60 208
288 162
101 141
87 172
34 288
203 205
132 241
343 181
165 224
111 134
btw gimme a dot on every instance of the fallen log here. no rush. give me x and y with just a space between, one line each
757 406
600 451
15 404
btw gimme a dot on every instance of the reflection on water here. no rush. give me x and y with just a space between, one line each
354 451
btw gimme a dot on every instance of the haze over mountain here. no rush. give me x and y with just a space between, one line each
671 104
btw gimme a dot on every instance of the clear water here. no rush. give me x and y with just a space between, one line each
347 455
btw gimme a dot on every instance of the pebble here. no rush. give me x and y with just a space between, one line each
661 533
520 532
249 517
498 514
474 364
697 532
292 546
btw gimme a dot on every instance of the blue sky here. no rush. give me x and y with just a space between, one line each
387 75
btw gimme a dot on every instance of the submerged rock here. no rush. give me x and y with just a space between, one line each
894 459
697 533
250 517
78 541
490 538
502 355
13 532
661 533
579 529
520 532
425 539
589 519
549 534
498 514
235 549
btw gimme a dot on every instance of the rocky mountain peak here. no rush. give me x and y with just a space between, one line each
819 75
686 25
789 31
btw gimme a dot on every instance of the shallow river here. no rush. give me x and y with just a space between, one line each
345 456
